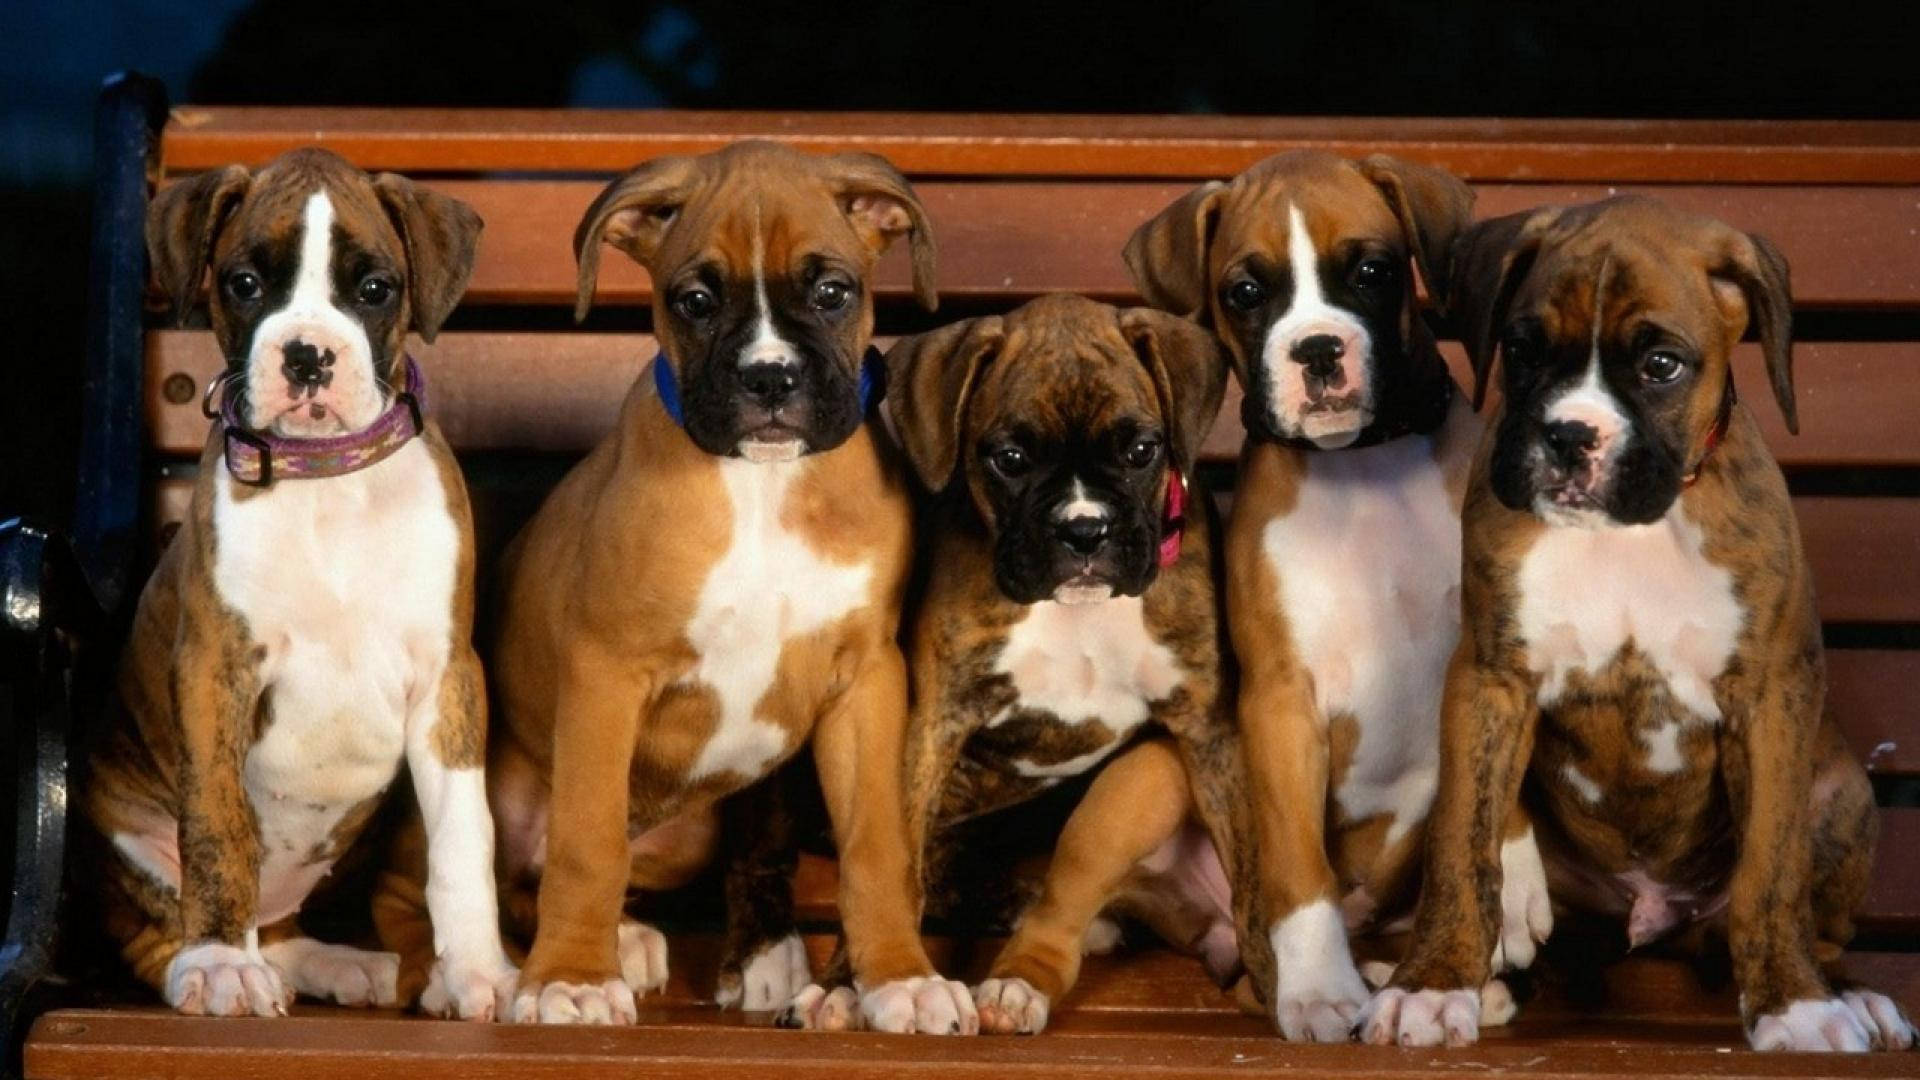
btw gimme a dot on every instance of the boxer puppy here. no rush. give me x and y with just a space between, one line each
1068 611
1343 551
719 580
1641 643
308 628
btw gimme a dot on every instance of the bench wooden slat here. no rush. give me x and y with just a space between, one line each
1872 692
450 140
1010 241
562 391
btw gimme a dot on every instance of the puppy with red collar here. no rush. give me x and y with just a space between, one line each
1641 661
1343 549
1068 626
308 628
719 581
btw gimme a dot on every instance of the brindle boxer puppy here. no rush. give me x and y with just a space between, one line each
1343 552
1641 644
1069 611
308 628
717 581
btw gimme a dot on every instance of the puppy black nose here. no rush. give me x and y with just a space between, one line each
305 366
1082 535
1569 440
769 384
1318 352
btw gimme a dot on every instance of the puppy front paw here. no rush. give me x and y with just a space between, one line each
1421 1018
213 979
643 957
1010 1006
776 974
1526 912
1317 992
926 1004
479 991
337 973
816 1008
1855 1022
602 1003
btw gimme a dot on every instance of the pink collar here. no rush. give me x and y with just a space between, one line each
1173 519
258 459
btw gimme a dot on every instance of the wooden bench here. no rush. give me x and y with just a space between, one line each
1022 205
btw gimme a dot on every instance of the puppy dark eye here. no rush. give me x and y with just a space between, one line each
1010 461
1143 451
1661 367
1517 351
1374 273
829 295
695 304
375 291
244 286
1245 295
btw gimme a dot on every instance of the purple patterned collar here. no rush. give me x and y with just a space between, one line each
258 459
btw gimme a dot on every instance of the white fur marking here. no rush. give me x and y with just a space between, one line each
1318 992
1082 505
767 346
1080 662
770 586
1581 783
1587 593
1526 910
1368 565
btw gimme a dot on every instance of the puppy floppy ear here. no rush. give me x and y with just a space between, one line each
633 214
1487 265
932 376
440 234
1167 256
1754 267
881 205
1433 206
1189 372
182 221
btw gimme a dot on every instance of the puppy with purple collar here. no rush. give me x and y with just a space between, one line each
307 631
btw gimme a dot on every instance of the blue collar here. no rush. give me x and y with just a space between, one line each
873 384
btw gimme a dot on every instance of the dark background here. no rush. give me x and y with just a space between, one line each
1465 57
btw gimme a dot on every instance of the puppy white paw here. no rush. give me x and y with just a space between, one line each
1823 1024
926 1004
643 957
1886 1023
212 979
1101 938
1377 973
1010 1007
610 1002
1497 1007
816 1008
1526 912
1421 1018
480 991
1317 993
337 973
775 975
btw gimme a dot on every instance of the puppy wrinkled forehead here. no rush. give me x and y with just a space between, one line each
274 207
1334 198
1064 366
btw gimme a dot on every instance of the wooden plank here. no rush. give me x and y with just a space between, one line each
1871 691
1008 242
562 392
455 140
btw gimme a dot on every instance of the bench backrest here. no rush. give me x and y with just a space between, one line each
1024 205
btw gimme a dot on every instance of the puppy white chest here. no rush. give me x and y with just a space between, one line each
1587 593
1086 662
769 586
1368 565
346 585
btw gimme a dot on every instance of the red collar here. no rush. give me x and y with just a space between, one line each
1715 434
1173 519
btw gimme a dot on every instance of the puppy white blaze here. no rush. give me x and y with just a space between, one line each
1081 505
1309 313
767 346
1589 401
769 586
353 397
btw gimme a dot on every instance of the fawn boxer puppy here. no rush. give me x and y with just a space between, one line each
719 579
1343 551
308 628
1641 642
1068 612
